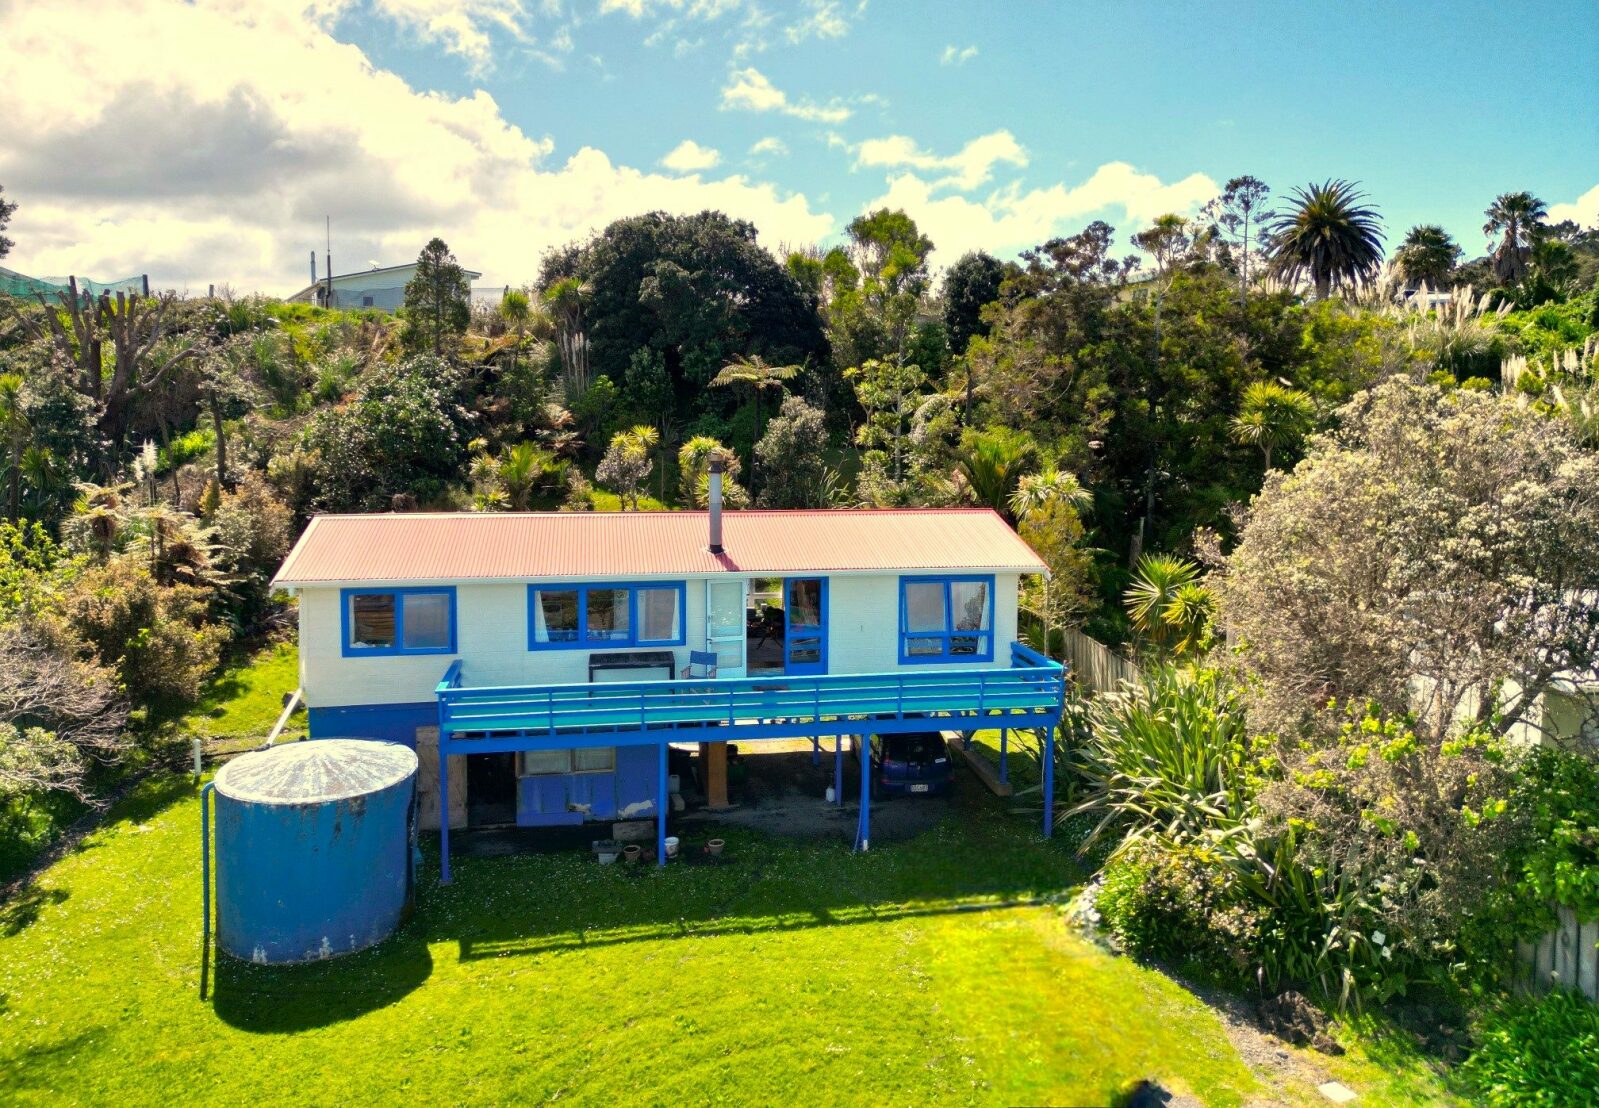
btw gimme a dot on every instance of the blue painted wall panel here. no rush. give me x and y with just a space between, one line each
395 723
564 799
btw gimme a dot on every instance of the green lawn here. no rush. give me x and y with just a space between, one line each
797 971
243 701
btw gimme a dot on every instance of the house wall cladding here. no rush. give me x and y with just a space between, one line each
492 641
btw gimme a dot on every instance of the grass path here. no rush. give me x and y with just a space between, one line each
796 973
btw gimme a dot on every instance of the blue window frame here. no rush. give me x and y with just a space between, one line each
383 622
595 615
946 619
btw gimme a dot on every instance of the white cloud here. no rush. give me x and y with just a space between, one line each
957 55
769 146
463 27
1013 219
823 19
689 156
749 90
1584 210
972 166
221 133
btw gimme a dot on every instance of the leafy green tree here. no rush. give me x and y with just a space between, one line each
626 464
1236 213
1428 256
1552 272
16 435
793 458
438 300
7 210
1515 218
517 310
700 290
226 392
1327 235
1273 418
970 285
889 391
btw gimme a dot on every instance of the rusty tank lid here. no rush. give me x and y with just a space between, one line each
315 771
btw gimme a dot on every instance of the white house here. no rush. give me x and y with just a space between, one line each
560 654
381 287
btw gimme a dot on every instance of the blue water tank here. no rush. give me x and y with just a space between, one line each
314 848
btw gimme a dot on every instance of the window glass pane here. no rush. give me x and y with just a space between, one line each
805 651
727 609
555 615
924 647
659 616
924 606
594 759
427 620
537 763
968 644
805 602
372 620
607 615
970 601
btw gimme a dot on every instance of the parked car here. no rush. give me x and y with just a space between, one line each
914 763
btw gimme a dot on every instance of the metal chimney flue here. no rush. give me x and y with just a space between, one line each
714 502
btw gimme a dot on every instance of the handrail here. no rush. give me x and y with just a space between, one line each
1033 685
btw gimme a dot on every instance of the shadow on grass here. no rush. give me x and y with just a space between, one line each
22 910
278 1000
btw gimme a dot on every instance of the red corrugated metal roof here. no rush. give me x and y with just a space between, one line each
512 546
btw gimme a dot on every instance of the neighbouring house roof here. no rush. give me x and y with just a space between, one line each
465 546
305 293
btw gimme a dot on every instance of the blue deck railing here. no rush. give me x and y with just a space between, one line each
653 711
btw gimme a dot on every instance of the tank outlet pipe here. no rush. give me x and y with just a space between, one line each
205 881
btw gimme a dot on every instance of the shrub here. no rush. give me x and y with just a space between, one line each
1182 905
157 638
1545 1053
1169 757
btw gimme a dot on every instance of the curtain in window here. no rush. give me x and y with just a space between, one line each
659 615
555 615
427 621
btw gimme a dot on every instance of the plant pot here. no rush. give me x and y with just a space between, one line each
631 852
671 846
714 847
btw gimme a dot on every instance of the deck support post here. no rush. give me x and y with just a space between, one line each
444 809
1047 737
838 770
662 804
816 750
713 766
863 832
1004 755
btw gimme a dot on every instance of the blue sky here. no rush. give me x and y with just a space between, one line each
512 125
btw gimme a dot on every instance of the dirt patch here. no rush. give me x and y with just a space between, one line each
1293 1018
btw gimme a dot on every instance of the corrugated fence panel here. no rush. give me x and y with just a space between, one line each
1567 957
1095 665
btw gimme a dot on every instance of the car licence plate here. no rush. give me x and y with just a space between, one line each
918 788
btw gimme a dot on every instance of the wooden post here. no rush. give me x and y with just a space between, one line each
713 760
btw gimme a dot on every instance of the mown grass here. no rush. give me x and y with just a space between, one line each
242 702
921 972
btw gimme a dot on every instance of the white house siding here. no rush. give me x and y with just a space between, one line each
491 636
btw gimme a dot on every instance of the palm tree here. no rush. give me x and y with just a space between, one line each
754 374
1428 256
1167 601
564 300
1272 416
517 311
15 434
519 470
1326 234
1515 217
1038 492
991 461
